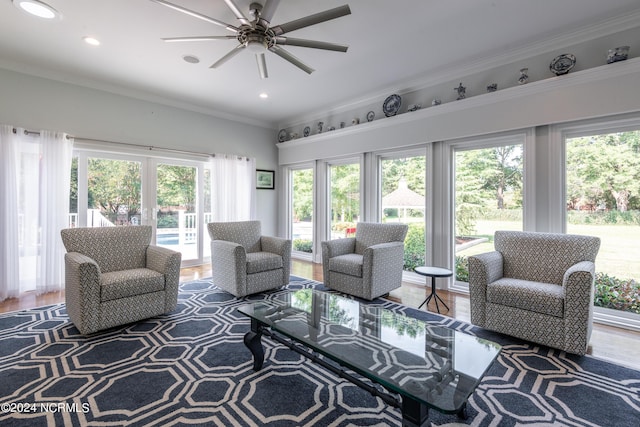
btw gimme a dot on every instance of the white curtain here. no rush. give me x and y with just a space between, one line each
36 205
9 252
55 182
233 188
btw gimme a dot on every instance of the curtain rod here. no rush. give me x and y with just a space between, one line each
146 147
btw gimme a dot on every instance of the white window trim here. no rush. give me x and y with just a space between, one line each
558 135
362 188
287 218
374 197
525 137
148 175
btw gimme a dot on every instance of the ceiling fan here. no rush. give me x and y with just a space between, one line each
258 35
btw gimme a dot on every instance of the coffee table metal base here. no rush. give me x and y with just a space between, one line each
414 413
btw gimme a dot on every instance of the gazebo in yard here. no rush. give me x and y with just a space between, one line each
402 198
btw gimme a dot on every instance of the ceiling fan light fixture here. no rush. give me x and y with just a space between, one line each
37 8
256 46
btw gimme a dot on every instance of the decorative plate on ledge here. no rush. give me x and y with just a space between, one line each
282 135
306 131
391 105
562 64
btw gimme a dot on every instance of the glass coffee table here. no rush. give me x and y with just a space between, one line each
421 365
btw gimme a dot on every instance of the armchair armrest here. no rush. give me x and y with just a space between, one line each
382 264
229 265
275 245
578 287
334 248
483 269
82 291
282 247
338 247
167 262
490 264
578 304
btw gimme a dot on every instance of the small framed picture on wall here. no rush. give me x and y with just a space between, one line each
265 179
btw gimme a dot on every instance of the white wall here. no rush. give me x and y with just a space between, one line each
36 103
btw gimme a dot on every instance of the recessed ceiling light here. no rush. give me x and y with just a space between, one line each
37 8
191 59
91 40
264 95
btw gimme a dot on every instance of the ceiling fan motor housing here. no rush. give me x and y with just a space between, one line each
256 38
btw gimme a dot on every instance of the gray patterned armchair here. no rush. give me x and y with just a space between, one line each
536 286
367 265
113 276
244 262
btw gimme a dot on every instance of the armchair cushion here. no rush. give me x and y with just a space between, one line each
371 233
245 233
543 257
263 261
127 283
350 264
122 250
539 297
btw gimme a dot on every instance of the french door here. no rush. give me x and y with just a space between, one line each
173 196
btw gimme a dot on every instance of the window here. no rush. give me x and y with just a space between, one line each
488 185
602 194
121 189
114 192
344 199
301 210
402 199
177 225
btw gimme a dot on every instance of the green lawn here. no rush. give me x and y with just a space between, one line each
619 253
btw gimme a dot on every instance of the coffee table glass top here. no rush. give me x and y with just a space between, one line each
437 366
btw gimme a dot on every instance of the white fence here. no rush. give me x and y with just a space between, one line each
187 231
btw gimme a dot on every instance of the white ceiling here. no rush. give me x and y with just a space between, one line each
390 42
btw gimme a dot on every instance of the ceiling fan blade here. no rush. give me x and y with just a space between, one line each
268 10
196 15
196 38
289 57
236 11
314 19
262 65
228 56
290 41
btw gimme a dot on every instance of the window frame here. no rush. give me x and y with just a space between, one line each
526 137
288 217
558 134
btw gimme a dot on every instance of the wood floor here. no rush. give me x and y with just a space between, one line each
617 345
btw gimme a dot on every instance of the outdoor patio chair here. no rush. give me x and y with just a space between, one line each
536 286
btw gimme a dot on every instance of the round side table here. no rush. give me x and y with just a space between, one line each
433 272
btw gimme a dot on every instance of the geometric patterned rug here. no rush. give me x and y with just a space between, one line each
191 367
